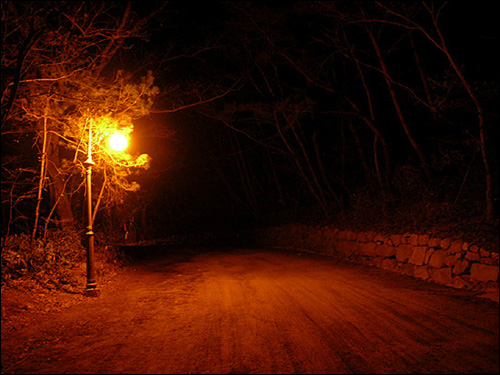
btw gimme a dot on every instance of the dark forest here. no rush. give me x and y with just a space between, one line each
247 114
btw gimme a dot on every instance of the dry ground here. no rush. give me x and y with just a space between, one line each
250 311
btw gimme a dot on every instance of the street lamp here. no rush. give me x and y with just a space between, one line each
117 142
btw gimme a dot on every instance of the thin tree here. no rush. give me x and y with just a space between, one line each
440 43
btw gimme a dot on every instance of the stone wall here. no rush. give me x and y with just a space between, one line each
448 261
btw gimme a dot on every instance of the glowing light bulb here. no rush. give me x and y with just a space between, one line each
118 141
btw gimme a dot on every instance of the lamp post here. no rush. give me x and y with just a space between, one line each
117 142
91 288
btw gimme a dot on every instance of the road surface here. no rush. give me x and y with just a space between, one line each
260 311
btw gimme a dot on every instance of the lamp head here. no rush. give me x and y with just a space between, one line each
118 141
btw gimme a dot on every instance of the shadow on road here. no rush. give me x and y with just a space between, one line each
141 253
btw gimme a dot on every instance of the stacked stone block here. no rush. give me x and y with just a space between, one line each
448 261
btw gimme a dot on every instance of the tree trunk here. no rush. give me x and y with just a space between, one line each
482 131
279 189
300 168
245 179
323 171
377 135
423 78
57 186
41 182
399 112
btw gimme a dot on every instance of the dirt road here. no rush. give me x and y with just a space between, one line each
260 311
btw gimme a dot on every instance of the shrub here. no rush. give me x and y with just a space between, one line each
61 249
